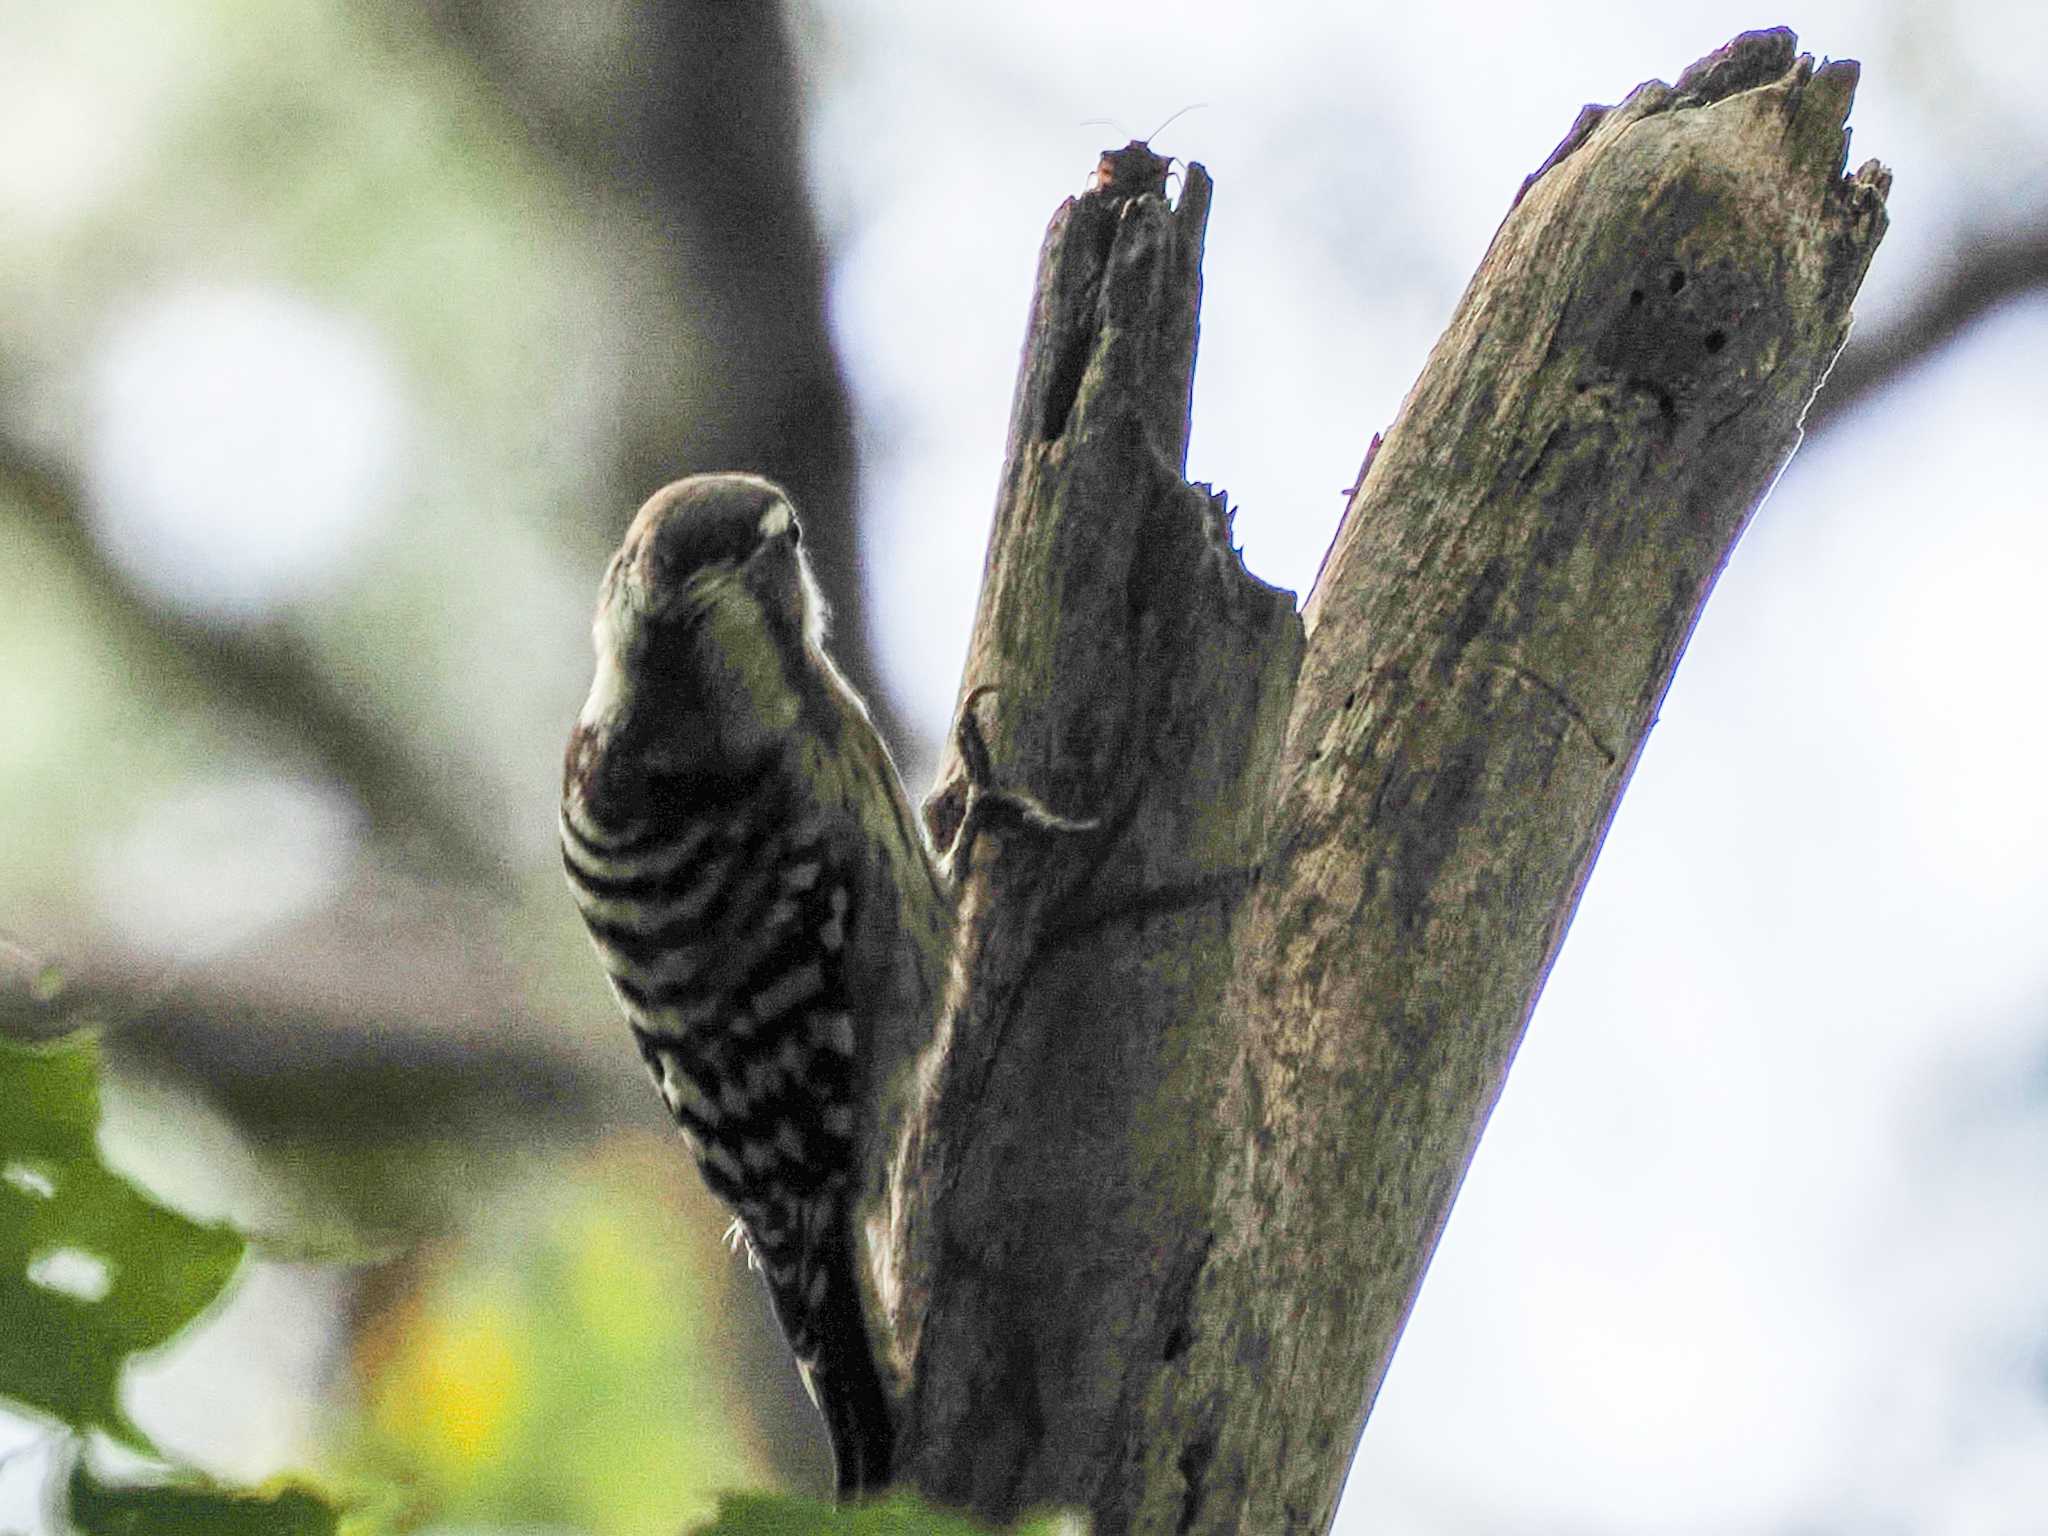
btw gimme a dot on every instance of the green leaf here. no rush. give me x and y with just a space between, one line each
196 1507
91 1269
758 1514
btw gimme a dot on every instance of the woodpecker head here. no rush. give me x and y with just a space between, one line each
708 624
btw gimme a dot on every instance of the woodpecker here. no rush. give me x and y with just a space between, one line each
763 899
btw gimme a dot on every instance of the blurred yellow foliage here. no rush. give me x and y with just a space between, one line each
449 1388
566 1362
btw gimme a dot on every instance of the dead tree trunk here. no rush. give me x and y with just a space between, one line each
1210 1076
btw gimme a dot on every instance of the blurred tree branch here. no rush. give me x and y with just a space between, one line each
380 1016
1987 270
267 681
346 1071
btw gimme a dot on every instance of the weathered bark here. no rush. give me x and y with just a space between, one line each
1210 1076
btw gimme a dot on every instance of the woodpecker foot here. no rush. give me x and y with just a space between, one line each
989 805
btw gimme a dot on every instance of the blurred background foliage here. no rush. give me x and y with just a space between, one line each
340 341
566 1358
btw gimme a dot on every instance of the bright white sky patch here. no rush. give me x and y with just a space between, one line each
72 1272
29 1179
211 867
243 443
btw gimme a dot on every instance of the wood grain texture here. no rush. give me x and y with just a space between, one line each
1210 1077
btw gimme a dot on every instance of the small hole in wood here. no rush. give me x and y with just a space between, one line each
1635 297
1716 340
1675 282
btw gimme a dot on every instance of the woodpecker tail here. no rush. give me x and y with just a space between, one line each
820 1313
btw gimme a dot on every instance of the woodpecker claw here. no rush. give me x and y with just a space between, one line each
989 805
737 1240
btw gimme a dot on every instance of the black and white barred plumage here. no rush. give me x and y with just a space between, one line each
767 910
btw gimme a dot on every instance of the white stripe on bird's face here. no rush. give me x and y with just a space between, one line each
612 686
609 690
